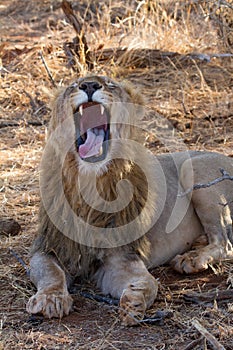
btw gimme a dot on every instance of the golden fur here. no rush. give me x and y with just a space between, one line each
80 236
106 183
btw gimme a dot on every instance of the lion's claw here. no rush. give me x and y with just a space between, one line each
50 305
190 262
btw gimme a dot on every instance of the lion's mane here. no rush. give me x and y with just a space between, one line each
60 192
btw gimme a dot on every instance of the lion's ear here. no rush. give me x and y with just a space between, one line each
136 97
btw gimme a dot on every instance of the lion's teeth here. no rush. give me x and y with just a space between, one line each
101 109
81 109
96 131
101 132
100 152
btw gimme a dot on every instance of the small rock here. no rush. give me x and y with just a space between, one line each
9 227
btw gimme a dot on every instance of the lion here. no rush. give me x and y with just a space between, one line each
111 211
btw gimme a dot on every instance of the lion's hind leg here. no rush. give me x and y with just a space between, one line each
128 279
212 205
52 298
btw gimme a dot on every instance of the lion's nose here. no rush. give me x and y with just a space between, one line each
90 87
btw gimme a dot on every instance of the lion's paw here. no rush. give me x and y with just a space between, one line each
132 307
50 304
191 262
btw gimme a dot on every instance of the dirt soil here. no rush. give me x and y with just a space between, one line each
180 55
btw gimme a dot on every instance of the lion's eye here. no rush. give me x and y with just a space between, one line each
111 85
74 85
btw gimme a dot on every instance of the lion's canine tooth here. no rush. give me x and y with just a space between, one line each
101 109
80 109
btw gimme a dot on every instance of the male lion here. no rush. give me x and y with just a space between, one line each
110 210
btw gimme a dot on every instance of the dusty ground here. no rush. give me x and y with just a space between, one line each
189 106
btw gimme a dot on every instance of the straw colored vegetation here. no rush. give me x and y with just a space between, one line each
180 54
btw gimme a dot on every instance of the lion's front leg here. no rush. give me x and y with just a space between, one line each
128 279
136 298
52 298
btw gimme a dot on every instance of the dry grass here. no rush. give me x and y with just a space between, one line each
189 100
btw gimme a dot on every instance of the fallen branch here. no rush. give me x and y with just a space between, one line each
157 318
225 176
211 339
142 58
99 298
221 296
139 58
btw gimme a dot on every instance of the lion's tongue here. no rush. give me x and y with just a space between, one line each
92 145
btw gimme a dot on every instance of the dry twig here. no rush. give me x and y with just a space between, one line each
211 339
81 48
21 261
194 343
225 176
157 318
6 123
47 69
99 298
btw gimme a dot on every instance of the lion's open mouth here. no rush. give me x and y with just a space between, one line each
92 131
